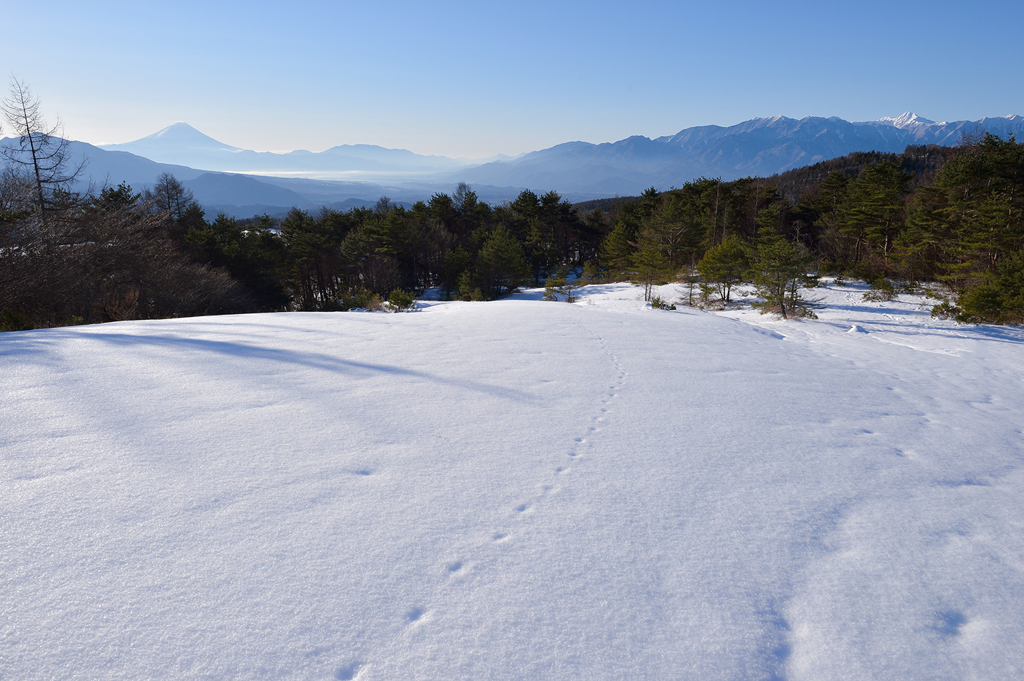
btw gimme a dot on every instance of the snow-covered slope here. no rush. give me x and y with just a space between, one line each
513 490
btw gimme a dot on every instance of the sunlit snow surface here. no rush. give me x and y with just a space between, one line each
515 490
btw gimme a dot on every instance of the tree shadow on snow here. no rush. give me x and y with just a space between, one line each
310 360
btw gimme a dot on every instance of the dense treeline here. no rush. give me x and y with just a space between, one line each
948 216
456 243
96 259
953 217
920 162
155 254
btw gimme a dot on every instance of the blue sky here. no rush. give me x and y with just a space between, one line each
476 79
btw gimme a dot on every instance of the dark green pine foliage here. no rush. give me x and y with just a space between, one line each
369 252
677 228
1000 299
552 233
724 266
252 253
502 264
616 251
984 187
779 270
826 211
974 219
649 266
874 212
313 266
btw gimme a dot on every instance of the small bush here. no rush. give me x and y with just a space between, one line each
401 301
15 321
363 299
945 310
881 290
559 284
707 298
119 306
982 304
467 290
553 286
800 309
658 304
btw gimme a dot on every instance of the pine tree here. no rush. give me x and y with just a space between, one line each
724 266
874 210
779 271
649 264
502 264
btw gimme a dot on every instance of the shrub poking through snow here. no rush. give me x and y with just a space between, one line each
945 310
554 285
401 301
881 290
466 289
707 300
363 299
560 284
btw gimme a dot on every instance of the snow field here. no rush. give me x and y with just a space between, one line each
516 489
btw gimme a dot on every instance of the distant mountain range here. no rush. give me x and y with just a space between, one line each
759 147
184 145
349 175
238 194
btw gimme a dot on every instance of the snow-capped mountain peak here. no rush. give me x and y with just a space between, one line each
905 120
177 136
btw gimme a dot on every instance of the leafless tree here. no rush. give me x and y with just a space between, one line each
39 149
15 193
114 262
170 196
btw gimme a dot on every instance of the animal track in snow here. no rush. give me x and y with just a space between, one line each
455 567
950 623
348 672
415 615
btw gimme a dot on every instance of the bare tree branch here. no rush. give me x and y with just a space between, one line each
42 150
